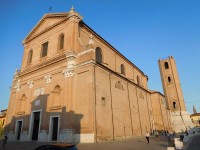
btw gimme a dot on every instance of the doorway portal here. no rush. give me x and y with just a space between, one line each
19 129
54 129
36 122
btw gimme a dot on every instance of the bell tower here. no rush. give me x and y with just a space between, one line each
171 84
180 118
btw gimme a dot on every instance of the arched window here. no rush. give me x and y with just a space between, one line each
166 65
98 54
44 49
30 55
61 42
174 105
169 79
122 69
138 80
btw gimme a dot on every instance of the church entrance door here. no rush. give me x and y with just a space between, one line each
19 128
54 129
36 122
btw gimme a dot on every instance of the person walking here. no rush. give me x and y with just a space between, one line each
156 134
4 141
147 136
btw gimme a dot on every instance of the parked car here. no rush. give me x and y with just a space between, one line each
57 147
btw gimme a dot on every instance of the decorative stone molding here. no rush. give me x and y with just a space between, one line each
16 74
20 112
18 87
48 78
39 91
55 107
30 83
74 16
141 95
71 62
118 85
91 41
72 9
68 72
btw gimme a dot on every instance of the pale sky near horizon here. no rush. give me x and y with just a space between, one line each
142 30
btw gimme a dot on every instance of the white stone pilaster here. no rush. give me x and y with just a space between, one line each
71 62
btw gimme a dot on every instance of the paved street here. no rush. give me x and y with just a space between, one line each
131 144
193 143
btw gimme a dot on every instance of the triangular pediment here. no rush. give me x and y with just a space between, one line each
48 21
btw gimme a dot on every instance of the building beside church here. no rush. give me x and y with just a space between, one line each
73 86
195 117
2 122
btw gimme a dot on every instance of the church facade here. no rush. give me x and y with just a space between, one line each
73 86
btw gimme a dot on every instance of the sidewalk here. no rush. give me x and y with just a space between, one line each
131 144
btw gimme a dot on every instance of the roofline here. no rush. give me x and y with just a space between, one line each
90 29
123 77
4 110
153 92
196 114
40 21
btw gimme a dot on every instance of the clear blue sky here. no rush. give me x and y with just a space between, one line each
142 30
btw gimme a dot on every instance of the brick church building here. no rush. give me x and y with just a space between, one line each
74 86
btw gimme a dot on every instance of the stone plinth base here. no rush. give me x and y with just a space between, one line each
84 138
66 135
43 136
180 121
11 136
24 136
170 148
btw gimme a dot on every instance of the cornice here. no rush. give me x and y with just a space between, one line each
156 92
50 15
109 45
28 39
117 74
43 64
123 77
66 16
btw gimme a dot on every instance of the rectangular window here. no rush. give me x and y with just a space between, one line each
44 49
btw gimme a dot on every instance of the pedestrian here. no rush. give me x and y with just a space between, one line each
174 134
147 136
5 141
165 133
156 134
168 135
